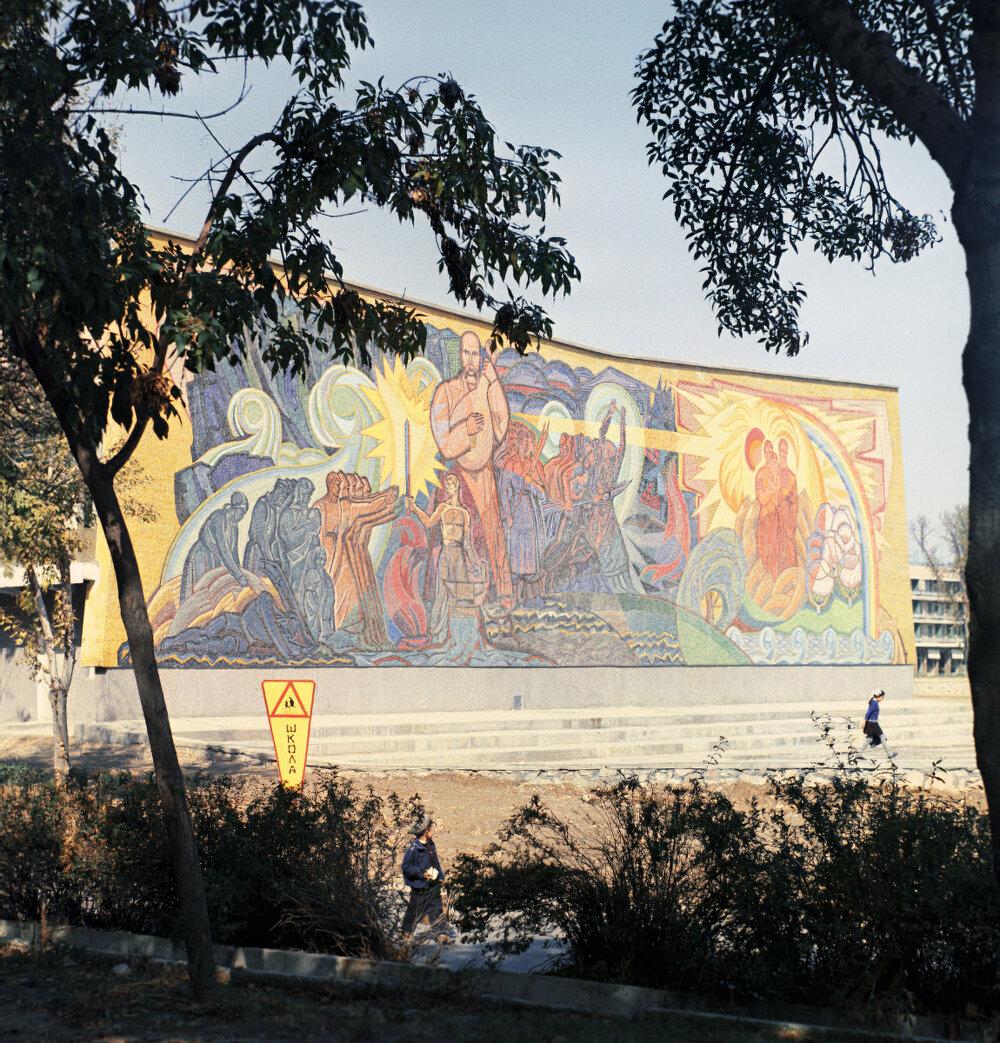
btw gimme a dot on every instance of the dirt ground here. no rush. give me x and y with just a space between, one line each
469 808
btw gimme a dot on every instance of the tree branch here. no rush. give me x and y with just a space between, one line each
45 625
162 113
935 26
118 461
871 60
128 447
764 90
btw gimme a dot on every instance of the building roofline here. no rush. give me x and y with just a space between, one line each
585 349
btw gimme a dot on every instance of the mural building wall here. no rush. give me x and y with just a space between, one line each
477 508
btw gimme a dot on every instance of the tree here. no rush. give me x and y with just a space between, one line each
42 505
768 118
45 511
97 311
954 528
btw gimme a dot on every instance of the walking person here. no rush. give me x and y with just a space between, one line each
871 727
423 875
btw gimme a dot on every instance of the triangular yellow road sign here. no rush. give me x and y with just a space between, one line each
289 712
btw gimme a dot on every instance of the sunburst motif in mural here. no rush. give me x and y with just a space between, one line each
716 454
402 434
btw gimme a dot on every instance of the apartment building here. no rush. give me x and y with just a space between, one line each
939 619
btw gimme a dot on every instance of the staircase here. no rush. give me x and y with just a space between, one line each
776 735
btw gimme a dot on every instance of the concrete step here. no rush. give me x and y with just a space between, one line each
683 738
363 725
482 749
671 736
686 738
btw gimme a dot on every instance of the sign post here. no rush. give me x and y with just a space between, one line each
289 712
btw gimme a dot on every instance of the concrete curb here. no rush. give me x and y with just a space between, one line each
535 990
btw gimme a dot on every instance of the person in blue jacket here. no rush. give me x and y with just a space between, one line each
871 727
423 875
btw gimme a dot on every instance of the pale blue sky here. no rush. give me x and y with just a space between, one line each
558 74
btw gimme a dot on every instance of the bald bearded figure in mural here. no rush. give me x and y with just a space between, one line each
469 419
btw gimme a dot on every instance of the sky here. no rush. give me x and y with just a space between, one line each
558 74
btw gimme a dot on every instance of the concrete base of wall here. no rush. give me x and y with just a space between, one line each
942 687
111 695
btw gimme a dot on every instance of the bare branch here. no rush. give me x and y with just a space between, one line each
163 113
120 458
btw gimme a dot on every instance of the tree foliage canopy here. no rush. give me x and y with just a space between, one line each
42 496
768 118
77 269
104 317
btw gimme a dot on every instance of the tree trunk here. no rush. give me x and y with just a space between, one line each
60 730
170 781
976 213
49 666
62 679
981 377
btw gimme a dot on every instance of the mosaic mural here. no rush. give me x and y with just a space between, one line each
480 508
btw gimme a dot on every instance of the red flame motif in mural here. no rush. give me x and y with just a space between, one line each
403 601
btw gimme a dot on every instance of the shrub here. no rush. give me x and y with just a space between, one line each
643 890
312 871
33 823
899 896
849 893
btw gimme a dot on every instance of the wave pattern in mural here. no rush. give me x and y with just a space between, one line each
472 509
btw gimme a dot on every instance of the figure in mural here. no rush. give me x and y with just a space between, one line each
521 490
469 416
587 552
317 600
778 506
611 455
217 545
332 527
604 531
299 531
559 472
788 509
338 564
773 523
358 601
401 584
455 564
261 552
767 488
